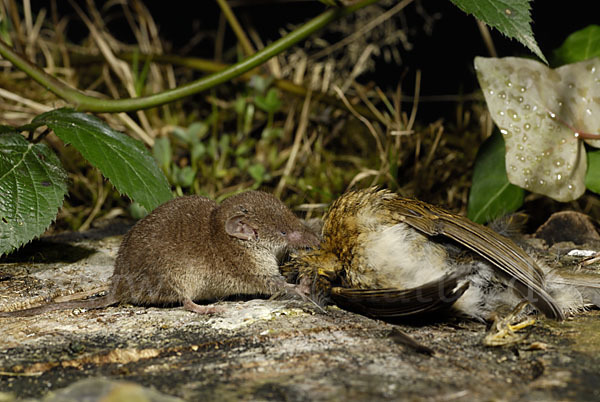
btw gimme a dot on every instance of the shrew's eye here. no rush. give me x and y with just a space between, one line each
283 232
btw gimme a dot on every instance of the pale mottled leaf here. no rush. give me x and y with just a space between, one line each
541 112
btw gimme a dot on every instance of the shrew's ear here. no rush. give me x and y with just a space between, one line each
237 226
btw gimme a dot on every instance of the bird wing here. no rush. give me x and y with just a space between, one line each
499 250
396 303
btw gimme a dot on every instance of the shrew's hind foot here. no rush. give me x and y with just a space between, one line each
189 305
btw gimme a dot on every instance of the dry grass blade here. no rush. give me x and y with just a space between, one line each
360 66
35 106
363 97
413 112
137 130
366 28
365 121
436 142
487 38
363 175
119 67
300 132
101 195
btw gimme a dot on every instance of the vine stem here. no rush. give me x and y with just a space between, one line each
83 102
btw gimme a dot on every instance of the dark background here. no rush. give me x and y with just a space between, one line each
444 56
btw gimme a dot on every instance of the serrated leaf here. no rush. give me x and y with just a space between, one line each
124 161
511 17
541 113
579 46
491 194
33 185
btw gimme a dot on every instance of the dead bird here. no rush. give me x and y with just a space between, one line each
390 257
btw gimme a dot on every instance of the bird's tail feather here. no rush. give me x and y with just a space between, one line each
390 303
574 290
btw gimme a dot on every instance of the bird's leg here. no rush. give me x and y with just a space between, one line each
288 289
503 331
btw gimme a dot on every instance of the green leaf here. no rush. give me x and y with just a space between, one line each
185 176
225 144
543 114
491 194
269 103
33 185
239 105
197 131
272 133
260 83
330 3
592 177
162 153
579 46
124 161
257 172
511 17
197 152
248 118
137 211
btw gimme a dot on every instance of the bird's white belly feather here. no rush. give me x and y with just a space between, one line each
402 257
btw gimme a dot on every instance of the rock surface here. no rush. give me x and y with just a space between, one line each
262 349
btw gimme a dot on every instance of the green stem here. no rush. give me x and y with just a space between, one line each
89 103
209 66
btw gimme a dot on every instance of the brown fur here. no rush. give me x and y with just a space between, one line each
190 248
